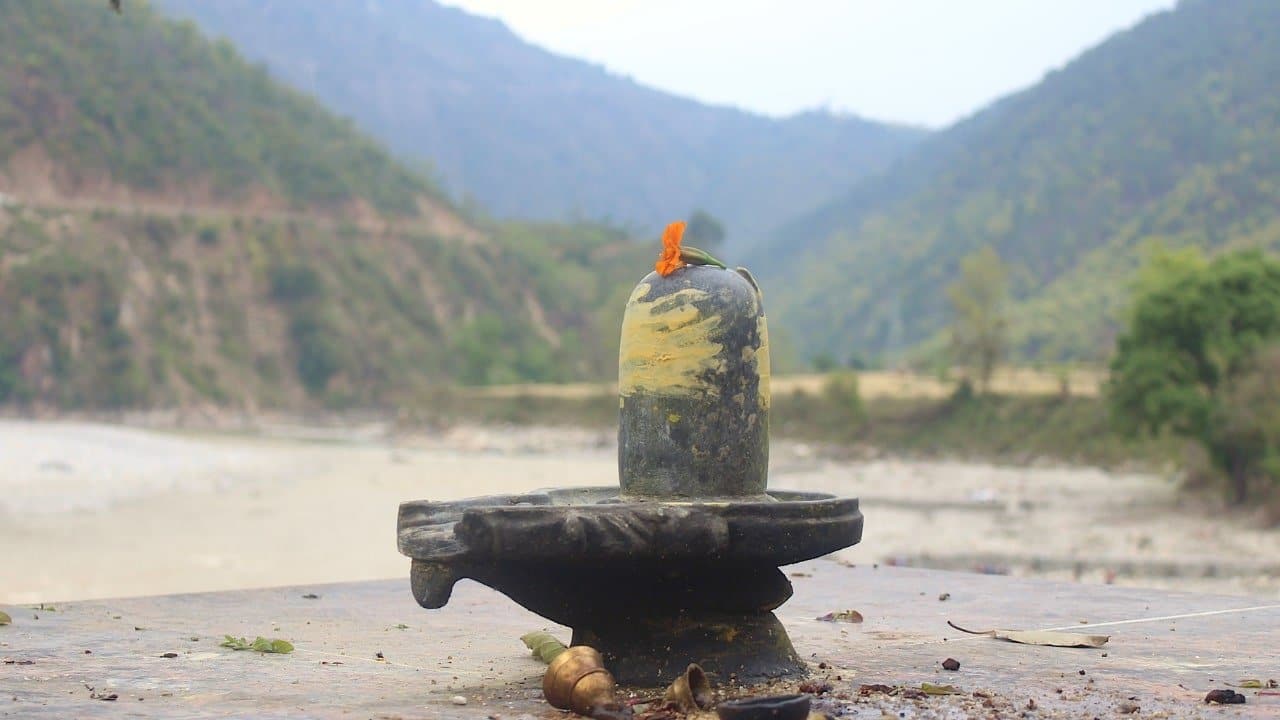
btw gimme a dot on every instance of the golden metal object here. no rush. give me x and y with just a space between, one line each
691 691
577 680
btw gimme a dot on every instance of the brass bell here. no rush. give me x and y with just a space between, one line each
691 691
577 680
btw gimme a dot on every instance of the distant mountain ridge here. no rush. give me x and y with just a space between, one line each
1167 133
531 134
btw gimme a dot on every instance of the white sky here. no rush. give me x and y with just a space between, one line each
926 62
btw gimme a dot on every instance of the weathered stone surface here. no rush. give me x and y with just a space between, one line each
693 379
585 525
1167 651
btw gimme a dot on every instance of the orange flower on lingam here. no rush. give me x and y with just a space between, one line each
669 261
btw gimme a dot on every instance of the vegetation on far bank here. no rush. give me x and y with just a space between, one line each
1011 428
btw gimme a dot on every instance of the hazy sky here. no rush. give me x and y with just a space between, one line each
925 62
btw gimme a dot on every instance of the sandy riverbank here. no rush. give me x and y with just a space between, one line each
89 510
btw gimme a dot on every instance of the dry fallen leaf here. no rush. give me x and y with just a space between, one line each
849 616
1041 637
1051 638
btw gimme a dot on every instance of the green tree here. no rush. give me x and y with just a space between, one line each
478 349
318 347
841 390
858 361
1248 422
824 362
704 231
979 330
1195 359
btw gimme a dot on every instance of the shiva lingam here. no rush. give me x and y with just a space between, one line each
679 563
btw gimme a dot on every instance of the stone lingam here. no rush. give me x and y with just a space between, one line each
678 563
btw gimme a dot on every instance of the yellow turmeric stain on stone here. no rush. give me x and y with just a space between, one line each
762 360
666 344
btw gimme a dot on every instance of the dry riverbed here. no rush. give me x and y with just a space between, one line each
91 510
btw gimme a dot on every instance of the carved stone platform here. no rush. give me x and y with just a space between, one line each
649 584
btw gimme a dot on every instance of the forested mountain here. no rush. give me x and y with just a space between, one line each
177 228
128 105
530 134
1167 133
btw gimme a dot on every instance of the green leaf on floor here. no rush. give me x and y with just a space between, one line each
260 644
282 647
544 646
4 618
235 643
932 689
